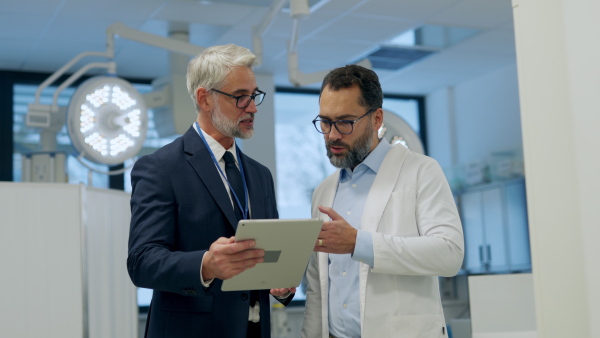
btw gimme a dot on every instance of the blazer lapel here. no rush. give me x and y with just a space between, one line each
204 166
255 190
328 192
382 188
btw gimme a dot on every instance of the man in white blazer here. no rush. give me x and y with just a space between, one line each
391 225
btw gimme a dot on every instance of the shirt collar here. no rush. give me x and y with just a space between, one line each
217 149
373 161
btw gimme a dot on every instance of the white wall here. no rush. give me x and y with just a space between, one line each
557 53
467 122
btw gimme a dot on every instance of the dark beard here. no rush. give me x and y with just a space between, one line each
355 155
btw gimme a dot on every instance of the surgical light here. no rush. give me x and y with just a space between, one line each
107 120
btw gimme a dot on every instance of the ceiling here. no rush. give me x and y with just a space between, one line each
43 35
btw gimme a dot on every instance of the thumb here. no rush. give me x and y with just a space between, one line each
330 212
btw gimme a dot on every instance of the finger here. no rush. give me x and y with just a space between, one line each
281 292
243 265
278 292
251 255
330 212
236 247
223 240
238 260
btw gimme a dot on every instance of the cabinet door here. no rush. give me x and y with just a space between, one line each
495 252
518 232
472 220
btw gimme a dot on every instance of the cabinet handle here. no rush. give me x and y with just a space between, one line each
489 254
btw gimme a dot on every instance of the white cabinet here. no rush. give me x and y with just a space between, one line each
494 218
63 249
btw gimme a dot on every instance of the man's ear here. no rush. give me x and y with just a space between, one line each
203 99
378 116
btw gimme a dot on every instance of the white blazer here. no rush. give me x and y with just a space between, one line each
417 236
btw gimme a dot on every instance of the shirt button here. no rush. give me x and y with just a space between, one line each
348 212
345 306
344 274
354 186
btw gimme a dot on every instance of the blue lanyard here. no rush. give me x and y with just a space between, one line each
245 210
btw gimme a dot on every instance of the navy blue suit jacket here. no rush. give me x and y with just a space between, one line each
179 207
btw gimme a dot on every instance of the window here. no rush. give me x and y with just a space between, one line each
27 139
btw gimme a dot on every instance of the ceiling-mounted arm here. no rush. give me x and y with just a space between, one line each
181 47
296 77
258 31
299 10
116 29
108 54
112 69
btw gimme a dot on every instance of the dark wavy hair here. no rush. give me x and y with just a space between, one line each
350 75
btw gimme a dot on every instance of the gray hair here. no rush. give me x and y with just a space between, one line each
209 68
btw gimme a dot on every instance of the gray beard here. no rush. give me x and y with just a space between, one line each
355 155
229 128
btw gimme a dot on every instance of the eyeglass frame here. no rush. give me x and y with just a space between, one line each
335 123
238 97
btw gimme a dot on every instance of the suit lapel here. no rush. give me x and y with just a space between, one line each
204 166
255 190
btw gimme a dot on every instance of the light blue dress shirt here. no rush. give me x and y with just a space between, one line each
350 199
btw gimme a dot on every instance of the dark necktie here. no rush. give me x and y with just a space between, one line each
235 179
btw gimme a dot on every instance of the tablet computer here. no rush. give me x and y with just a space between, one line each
288 244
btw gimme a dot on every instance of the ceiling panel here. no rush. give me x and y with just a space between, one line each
110 10
282 25
11 26
14 59
42 35
353 28
206 35
196 12
421 81
475 13
338 7
76 31
469 64
274 51
33 7
332 50
259 3
410 9
499 42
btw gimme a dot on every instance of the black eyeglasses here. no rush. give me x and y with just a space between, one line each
343 126
243 101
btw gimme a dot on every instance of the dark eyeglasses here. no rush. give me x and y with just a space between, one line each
243 101
343 126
